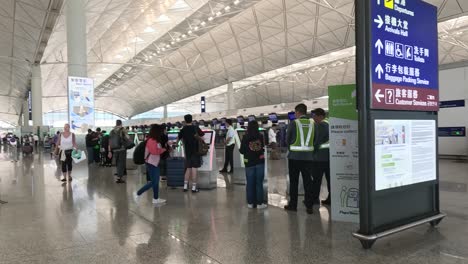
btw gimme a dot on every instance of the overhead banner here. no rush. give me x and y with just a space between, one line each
404 56
81 103
344 156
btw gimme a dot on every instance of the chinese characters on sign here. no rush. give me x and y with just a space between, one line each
404 55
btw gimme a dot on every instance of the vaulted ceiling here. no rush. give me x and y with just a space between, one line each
148 53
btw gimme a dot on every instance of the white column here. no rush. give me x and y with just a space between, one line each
76 38
36 93
25 120
165 112
230 96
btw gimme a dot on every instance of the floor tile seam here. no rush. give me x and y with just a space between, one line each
168 233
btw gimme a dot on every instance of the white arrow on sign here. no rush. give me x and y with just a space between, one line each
379 21
379 46
378 95
379 70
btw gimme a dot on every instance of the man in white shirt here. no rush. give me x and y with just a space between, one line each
273 143
230 143
36 140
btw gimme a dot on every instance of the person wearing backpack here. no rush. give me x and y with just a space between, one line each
253 149
189 136
153 151
117 149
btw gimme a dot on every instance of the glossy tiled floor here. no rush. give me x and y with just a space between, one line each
94 220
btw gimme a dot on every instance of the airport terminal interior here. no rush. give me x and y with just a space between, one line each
280 73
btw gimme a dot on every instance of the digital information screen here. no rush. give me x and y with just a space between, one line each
405 152
208 136
273 118
292 116
251 118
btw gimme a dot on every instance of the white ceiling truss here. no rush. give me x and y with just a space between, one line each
148 53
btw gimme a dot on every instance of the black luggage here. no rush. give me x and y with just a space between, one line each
175 172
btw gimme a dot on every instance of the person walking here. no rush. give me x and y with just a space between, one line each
117 149
193 160
14 149
253 149
66 143
163 162
36 141
229 150
321 164
105 149
153 153
300 137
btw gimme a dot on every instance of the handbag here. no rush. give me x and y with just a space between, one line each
78 156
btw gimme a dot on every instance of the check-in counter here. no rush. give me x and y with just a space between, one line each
208 172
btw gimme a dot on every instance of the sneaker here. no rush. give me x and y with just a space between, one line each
326 202
223 171
310 210
63 180
185 190
119 181
159 201
262 206
290 208
250 206
195 190
136 197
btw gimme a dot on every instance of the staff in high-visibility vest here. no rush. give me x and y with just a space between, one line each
300 138
321 163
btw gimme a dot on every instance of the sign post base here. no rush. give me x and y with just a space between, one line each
367 241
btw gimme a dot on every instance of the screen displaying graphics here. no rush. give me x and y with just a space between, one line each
81 103
292 116
251 118
273 118
208 137
405 152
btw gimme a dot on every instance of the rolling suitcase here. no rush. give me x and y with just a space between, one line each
175 172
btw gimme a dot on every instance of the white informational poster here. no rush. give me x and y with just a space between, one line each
344 153
80 103
405 152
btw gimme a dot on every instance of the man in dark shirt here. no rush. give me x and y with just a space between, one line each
321 163
90 146
192 158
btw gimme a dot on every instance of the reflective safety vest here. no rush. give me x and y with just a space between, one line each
325 145
304 136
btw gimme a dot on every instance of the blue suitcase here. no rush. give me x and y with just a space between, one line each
175 172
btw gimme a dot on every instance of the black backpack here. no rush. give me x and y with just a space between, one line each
203 148
139 154
115 139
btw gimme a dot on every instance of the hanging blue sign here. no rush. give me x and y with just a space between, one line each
451 104
404 55
452 131
203 104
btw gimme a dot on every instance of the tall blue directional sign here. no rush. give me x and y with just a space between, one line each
404 55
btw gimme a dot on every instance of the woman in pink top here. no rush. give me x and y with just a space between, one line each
153 155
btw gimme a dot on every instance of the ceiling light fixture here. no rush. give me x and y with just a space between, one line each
203 23
236 2
210 18
227 8
219 13
149 30
184 36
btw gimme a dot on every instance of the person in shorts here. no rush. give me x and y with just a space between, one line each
193 160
